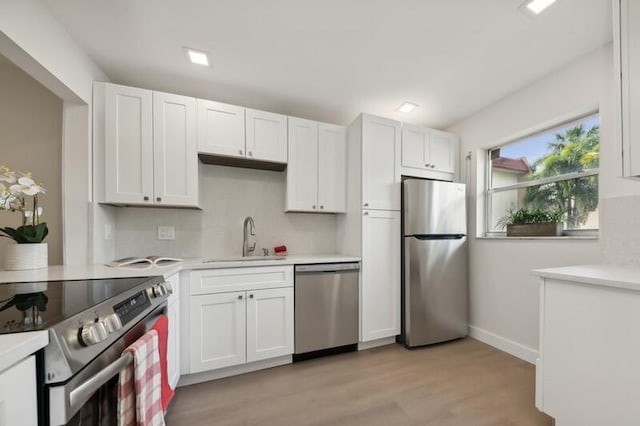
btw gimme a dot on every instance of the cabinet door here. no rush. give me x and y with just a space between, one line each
415 146
173 339
442 151
175 150
380 150
269 323
380 286
302 168
18 395
332 168
220 129
626 50
128 145
266 136
218 327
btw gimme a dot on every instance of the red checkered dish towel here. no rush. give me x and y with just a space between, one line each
139 387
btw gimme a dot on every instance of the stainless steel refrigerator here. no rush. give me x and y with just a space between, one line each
434 273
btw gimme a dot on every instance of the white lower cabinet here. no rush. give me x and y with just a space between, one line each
231 328
269 323
380 285
18 398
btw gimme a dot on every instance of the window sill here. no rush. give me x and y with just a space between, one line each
560 238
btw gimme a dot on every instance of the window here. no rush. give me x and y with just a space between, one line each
555 169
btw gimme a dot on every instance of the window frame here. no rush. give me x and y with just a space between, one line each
489 191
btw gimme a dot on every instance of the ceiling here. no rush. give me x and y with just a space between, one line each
332 59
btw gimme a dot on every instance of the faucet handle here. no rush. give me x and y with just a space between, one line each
253 247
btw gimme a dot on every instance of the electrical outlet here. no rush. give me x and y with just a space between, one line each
166 232
108 231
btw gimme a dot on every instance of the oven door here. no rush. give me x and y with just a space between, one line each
90 397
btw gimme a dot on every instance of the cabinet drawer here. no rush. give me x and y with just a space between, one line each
240 279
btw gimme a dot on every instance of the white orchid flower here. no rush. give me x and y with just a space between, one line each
26 186
8 176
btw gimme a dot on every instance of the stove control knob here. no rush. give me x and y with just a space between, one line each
92 333
160 290
112 323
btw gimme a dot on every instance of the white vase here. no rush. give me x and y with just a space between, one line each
20 257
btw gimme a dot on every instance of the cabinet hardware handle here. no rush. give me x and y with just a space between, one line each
366 204
322 207
240 152
145 198
366 213
240 297
314 206
250 153
251 296
158 199
427 165
433 166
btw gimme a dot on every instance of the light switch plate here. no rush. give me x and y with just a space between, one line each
108 231
166 232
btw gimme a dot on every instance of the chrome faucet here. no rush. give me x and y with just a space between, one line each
249 231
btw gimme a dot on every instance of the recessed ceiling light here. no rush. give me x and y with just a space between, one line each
197 57
537 6
407 107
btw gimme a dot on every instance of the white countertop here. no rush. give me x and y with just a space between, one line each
16 347
80 272
607 275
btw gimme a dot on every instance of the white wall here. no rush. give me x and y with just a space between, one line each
32 38
31 141
503 293
227 196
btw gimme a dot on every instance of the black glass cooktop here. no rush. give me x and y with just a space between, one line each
39 305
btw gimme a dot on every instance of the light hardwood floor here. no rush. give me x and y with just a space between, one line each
459 383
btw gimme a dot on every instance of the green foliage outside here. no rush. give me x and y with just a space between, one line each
526 216
574 150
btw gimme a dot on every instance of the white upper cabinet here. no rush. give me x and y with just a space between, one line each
415 146
128 145
332 168
149 145
302 168
175 150
380 150
316 170
221 129
427 150
266 136
232 131
627 66
442 151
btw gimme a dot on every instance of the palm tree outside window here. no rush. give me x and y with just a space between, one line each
553 169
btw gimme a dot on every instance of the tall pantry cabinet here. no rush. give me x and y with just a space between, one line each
371 226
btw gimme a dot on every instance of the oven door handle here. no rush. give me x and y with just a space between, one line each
80 394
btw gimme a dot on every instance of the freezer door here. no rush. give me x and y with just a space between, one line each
434 208
435 290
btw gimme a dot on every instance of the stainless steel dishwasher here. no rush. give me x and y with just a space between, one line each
326 308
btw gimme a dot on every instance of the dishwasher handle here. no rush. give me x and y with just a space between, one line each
328 267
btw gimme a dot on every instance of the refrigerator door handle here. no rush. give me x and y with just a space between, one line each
438 237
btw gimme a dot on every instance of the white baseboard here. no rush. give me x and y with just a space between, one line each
509 346
191 379
363 346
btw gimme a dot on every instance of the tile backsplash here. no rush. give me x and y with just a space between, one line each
620 229
227 196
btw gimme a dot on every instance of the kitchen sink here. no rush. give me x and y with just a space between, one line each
243 259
